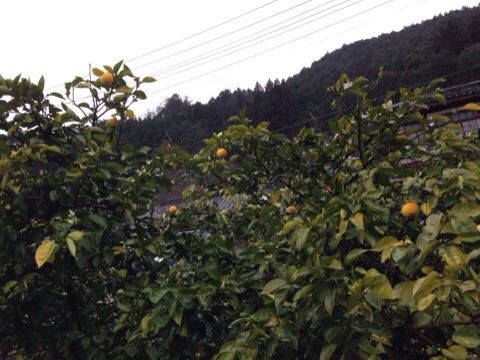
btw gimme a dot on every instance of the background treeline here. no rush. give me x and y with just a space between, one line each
447 45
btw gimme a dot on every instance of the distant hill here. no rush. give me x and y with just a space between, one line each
447 46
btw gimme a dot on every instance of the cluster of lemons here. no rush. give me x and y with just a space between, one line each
220 153
407 210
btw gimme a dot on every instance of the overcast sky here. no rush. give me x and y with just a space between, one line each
59 39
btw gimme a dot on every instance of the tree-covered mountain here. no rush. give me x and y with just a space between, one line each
446 46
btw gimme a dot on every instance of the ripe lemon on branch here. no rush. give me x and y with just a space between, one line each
221 153
409 209
106 79
292 209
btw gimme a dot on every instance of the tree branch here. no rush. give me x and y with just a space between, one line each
472 321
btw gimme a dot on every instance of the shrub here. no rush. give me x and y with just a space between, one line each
345 275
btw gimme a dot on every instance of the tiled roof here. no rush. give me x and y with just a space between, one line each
464 90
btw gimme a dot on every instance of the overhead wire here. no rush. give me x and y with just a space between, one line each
192 36
223 50
273 48
176 42
209 41
283 44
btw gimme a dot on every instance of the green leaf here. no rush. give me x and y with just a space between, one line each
9 286
124 306
289 226
97 72
474 254
424 302
432 227
467 337
71 247
357 220
41 83
273 285
465 209
332 333
403 291
327 352
467 285
176 313
124 89
119 98
157 294
303 292
144 322
4 91
467 238
383 290
426 284
148 79
386 242
97 219
454 258
329 301
463 225
354 254
455 352
300 237
117 66
152 353
140 94
75 235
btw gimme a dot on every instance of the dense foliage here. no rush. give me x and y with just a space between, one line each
446 46
313 259
74 196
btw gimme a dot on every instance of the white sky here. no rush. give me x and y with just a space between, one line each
59 39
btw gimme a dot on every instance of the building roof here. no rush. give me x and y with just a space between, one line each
458 95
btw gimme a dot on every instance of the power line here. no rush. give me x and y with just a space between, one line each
176 42
225 48
222 36
358 1
273 48
203 31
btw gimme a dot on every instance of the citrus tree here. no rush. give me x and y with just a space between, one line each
75 205
361 243
357 243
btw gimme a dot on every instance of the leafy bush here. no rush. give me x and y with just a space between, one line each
310 258
73 196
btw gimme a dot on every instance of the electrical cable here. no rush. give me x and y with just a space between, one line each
273 48
224 49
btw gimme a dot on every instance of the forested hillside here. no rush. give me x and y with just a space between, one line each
446 46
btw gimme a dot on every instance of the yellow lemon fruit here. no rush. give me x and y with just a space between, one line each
291 209
106 79
221 153
410 208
